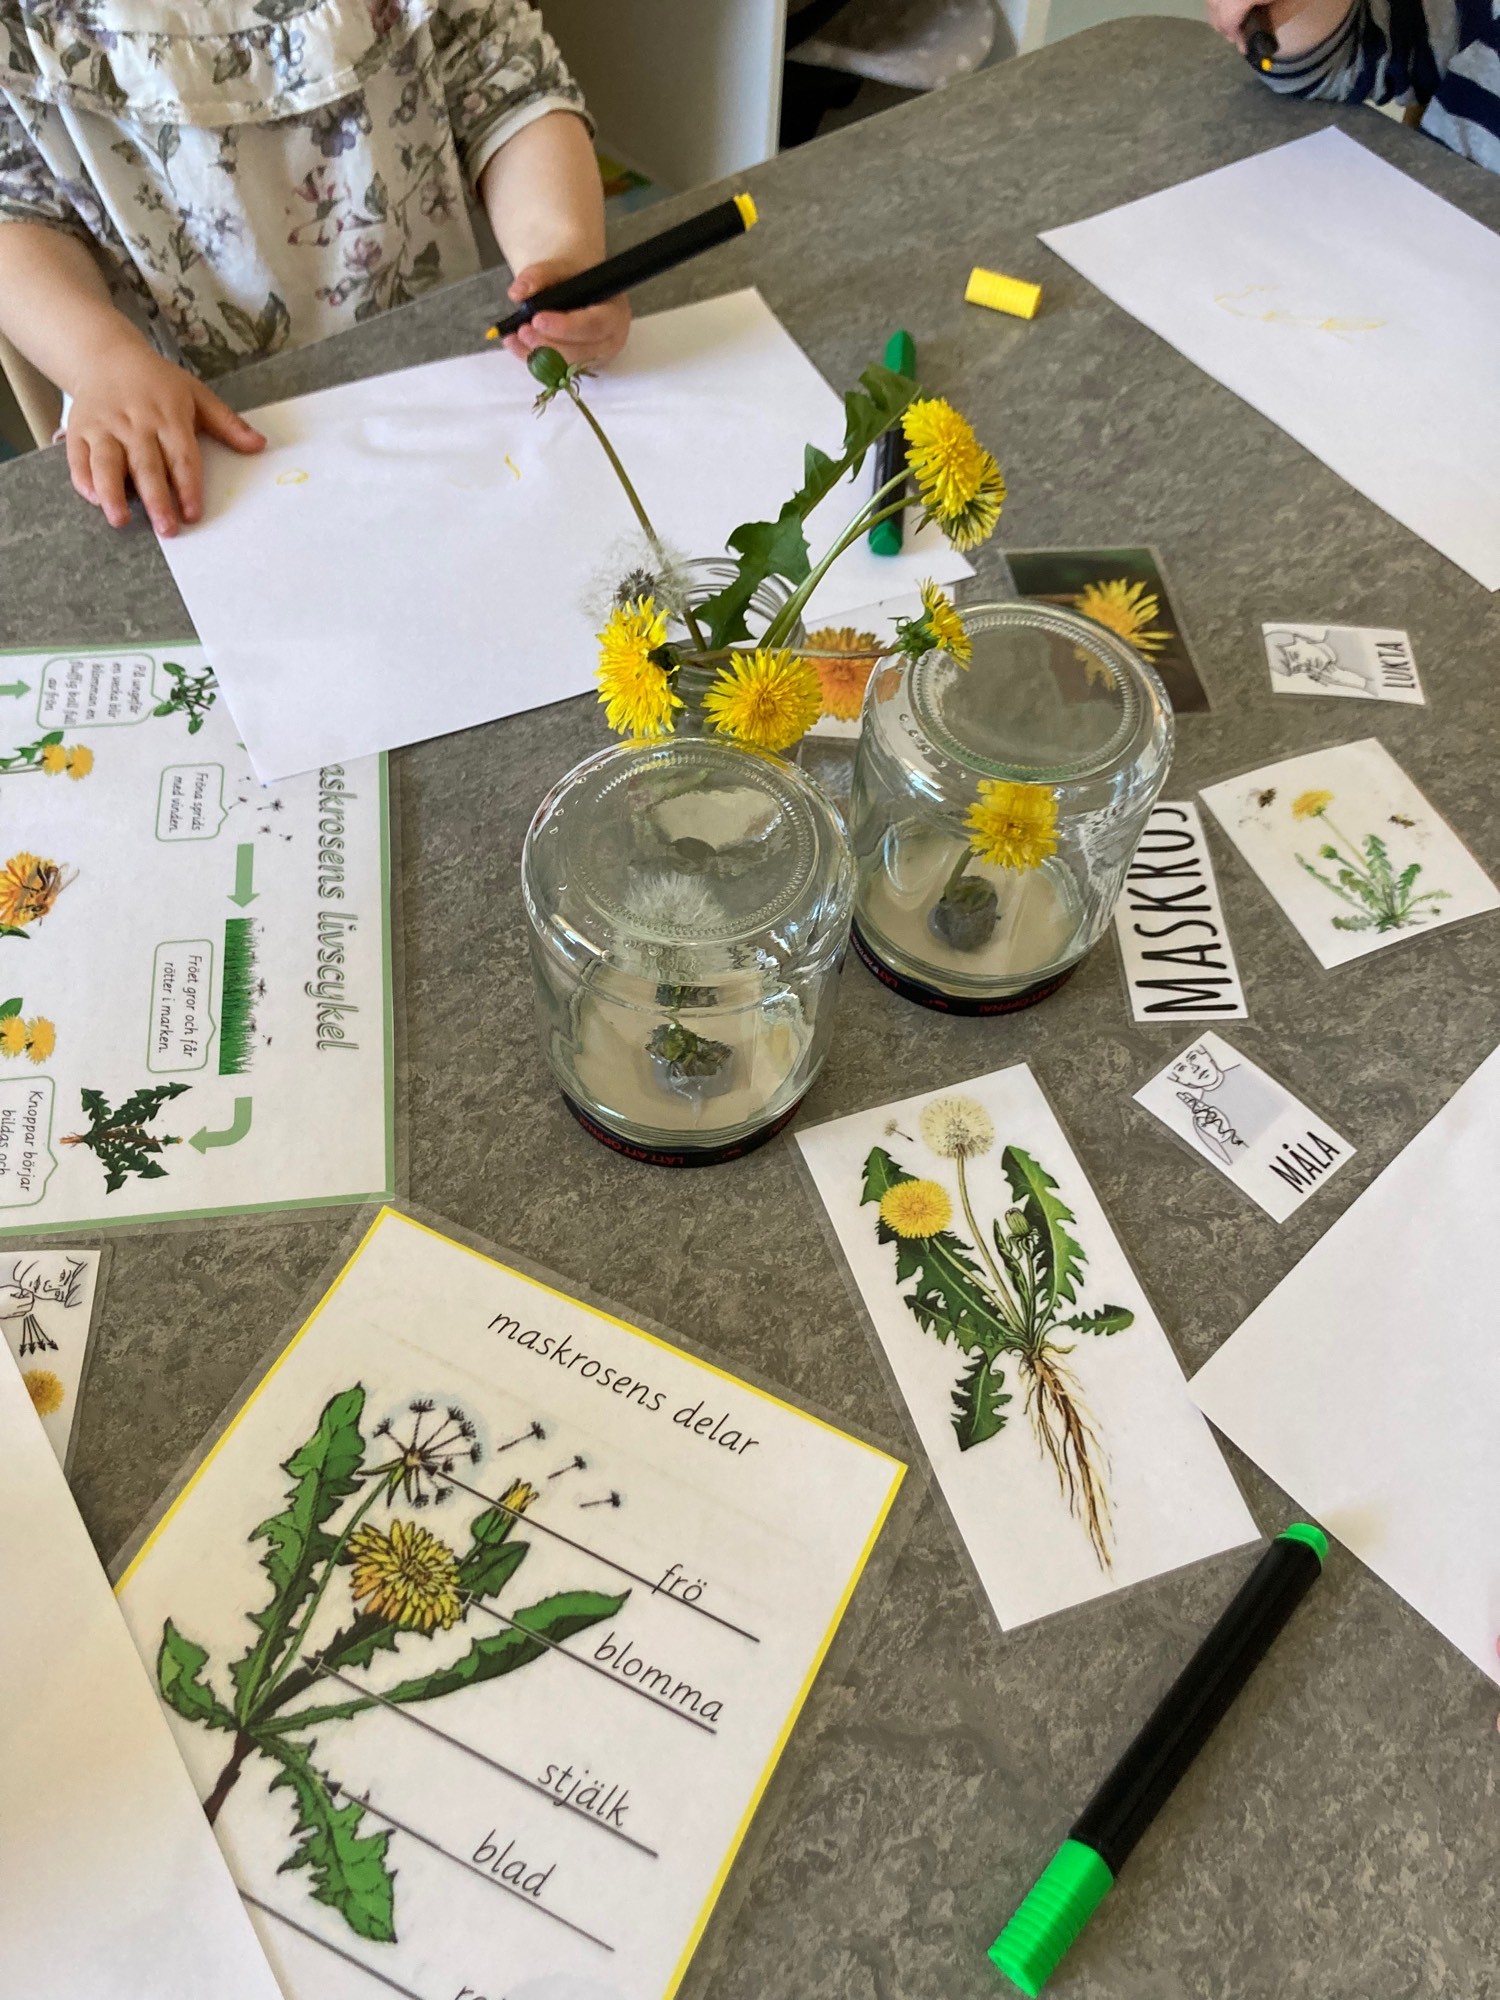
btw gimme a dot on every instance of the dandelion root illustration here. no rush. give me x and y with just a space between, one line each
1363 876
1001 1295
121 1138
403 1586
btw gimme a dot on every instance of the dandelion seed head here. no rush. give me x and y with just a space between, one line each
956 1128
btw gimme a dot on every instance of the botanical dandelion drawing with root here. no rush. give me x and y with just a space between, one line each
1001 1295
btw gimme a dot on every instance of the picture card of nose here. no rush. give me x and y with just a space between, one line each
517 1605
1352 852
1348 662
1242 1121
423 551
1344 301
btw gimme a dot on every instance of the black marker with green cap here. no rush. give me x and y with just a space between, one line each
1083 1870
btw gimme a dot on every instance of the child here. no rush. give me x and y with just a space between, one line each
1444 54
173 205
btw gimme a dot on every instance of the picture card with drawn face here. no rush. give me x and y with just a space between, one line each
1356 662
47 1300
1351 850
1246 1124
483 1626
1127 591
1174 942
1035 1373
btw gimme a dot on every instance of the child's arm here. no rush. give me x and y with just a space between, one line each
1348 51
134 415
544 199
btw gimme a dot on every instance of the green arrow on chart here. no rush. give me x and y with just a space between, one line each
244 874
237 1129
17 688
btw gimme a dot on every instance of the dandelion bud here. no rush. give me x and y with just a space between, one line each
1016 1223
549 368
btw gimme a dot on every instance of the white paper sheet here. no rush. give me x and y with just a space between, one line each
1346 303
420 552
559 1831
47 1300
1166 1496
1368 1383
113 1888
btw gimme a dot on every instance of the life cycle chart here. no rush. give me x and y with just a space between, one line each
483 1626
195 1009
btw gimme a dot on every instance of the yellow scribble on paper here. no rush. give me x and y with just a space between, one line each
1340 327
292 478
512 464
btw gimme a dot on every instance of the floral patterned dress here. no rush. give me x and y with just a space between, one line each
254 174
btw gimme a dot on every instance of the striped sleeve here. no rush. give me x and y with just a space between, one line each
1383 50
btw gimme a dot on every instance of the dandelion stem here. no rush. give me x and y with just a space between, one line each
1003 1299
294 1644
863 521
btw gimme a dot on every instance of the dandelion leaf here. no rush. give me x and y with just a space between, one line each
324 1472
1059 1256
1108 1319
492 1558
534 1631
765 548
179 1676
979 1403
948 1298
348 1868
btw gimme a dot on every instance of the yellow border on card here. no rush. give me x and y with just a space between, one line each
389 1213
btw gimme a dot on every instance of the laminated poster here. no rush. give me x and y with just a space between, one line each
482 1627
195 1004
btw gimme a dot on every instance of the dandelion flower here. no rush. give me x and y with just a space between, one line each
54 760
45 1390
517 1497
636 690
961 485
1013 826
1128 609
13 1036
916 1208
680 905
1311 805
765 700
37 1040
29 886
957 1128
407 1577
80 761
846 677
945 625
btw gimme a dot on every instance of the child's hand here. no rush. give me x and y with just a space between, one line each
596 334
136 417
1298 25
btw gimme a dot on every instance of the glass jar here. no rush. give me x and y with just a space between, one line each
1050 700
689 907
693 583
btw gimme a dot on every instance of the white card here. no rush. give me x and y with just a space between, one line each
1067 1479
1351 850
47 1300
1246 1124
113 1887
1179 963
541 1771
1367 1384
1356 662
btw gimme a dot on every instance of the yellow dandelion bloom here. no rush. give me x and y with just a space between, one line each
13 1036
1013 826
845 678
961 485
916 1208
41 1039
1128 609
29 886
518 1496
765 700
1311 805
80 761
54 760
407 1577
636 691
945 625
45 1390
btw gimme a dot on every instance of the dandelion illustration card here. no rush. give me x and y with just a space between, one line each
482 1627
1127 591
1036 1375
1367 1383
1245 1123
114 1889
1349 662
47 1300
1351 850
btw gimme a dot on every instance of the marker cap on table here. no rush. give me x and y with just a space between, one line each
886 537
1002 294
1082 1872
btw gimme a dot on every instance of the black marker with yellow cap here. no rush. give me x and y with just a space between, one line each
1260 39
617 274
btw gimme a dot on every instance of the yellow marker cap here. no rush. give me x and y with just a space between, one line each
1002 294
749 214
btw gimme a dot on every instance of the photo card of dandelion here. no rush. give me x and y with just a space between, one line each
1352 852
1036 1376
483 1625
47 1302
1125 590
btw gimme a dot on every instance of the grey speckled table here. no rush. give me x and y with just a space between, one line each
1342 1840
